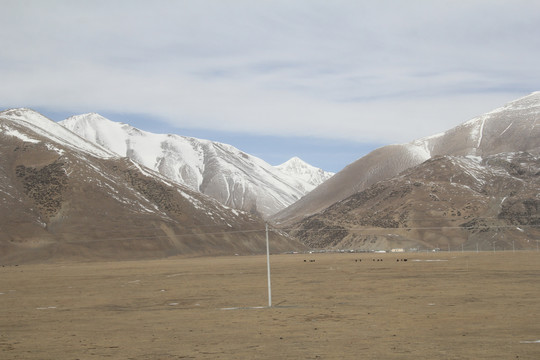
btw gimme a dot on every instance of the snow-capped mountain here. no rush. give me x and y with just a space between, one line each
232 177
63 196
299 169
511 128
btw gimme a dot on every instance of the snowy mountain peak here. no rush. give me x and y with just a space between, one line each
295 161
47 128
93 120
89 117
298 168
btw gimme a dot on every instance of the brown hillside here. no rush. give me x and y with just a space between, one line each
444 203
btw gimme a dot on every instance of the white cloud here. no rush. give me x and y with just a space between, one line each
384 71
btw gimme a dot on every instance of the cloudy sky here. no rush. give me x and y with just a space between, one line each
327 81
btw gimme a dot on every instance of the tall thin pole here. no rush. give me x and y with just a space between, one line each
268 268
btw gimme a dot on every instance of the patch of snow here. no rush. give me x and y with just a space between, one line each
474 158
54 148
195 202
508 127
418 150
481 132
19 135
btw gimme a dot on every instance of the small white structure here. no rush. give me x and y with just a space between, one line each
397 250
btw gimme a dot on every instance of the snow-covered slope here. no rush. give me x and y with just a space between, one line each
221 171
300 169
49 129
513 127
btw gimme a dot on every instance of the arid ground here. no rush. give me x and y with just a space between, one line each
325 306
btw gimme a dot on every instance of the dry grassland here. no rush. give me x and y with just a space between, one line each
462 306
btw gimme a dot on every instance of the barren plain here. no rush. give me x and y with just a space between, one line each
325 306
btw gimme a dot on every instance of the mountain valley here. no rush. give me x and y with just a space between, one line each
90 188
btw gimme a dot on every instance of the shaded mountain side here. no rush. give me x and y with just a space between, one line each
60 202
445 203
514 127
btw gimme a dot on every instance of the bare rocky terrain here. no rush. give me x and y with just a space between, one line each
445 203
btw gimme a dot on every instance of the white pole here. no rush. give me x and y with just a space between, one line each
268 268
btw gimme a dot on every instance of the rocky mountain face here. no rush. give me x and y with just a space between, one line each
448 203
514 127
232 177
63 197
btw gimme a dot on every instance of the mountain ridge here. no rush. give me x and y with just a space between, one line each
227 174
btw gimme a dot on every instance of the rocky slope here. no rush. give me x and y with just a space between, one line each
448 203
63 197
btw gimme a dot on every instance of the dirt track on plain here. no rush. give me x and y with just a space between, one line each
339 306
